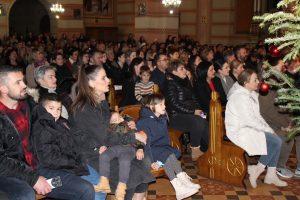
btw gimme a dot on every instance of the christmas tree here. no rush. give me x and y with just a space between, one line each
284 29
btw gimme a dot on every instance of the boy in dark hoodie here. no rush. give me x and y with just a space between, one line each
124 153
55 149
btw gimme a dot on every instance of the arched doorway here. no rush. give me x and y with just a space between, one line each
45 24
28 16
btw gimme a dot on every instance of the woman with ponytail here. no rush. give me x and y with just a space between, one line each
90 120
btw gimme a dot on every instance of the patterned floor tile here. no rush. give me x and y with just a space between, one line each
215 190
261 197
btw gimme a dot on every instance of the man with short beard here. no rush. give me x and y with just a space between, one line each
18 179
241 54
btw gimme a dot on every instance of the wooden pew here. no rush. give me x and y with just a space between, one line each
111 98
223 161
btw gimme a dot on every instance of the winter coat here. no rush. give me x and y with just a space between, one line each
203 93
54 145
179 96
90 128
128 92
65 79
271 113
244 124
12 160
227 83
119 74
159 78
158 142
123 128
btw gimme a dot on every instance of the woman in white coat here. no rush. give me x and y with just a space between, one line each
246 128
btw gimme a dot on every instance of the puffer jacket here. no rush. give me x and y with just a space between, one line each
180 98
12 161
54 145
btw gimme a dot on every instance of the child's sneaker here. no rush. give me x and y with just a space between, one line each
297 173
284 173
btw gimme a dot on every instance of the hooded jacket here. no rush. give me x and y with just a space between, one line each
244 124
158 142
53 143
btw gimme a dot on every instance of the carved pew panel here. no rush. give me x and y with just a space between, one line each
223 161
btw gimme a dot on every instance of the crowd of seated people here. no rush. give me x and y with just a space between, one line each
54 117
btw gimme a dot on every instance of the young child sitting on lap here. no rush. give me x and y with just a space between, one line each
124 153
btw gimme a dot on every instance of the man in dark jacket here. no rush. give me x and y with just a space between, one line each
18 179
158 75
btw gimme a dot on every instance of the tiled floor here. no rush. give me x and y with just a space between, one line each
213 190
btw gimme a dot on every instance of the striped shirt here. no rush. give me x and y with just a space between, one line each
142 89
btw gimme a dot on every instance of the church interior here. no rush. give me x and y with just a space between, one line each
222 171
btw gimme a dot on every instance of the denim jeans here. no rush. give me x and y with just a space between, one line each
16 189
73 187
273 150
94 178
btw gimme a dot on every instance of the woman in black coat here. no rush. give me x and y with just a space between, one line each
207 82
63 74
184 111
90 120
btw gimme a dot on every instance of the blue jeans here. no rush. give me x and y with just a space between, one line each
273 150
73 187
94 178
16 189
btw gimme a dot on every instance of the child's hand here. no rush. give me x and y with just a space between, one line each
155 166
102 149
141 136
131 125
140 154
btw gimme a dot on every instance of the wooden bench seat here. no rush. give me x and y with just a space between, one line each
223 161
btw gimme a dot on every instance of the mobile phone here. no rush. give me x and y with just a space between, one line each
54 182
